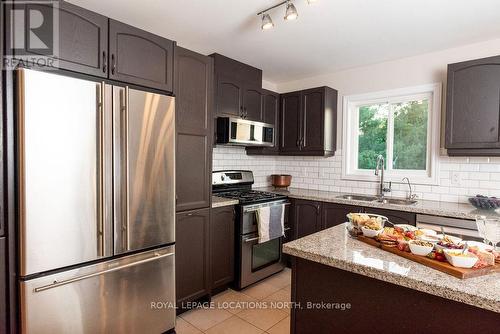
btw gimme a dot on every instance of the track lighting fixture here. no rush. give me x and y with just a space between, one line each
267 22
290 13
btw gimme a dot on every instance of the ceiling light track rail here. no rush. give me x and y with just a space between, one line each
275 6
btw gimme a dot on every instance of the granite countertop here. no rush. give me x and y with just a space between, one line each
218 202
334 247
435 208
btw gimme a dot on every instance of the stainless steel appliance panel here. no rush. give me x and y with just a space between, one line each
258 261
459 227
144 169
134 294
62 131
237 131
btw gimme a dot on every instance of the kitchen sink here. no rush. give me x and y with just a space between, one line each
358 197
397 201
367 198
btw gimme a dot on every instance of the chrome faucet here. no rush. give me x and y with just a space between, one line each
380 170
411 196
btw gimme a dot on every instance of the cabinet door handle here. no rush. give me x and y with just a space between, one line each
113 64
104 62
317 209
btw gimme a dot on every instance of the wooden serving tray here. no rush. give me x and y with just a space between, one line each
444 267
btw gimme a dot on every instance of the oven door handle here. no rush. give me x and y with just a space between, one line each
257 238
253 208
251 239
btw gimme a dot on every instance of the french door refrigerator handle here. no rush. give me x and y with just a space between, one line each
124 105
101 169
56 284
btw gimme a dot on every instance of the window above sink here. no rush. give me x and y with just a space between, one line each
402 125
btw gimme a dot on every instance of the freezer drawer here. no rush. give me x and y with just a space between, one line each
134 294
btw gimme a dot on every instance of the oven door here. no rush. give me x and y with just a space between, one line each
259 261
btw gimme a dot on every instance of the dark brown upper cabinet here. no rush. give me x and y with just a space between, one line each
309 122
473 108
238 89
140 58
229 97
252 103
290 126
192 252
270 115
194 104
83 39
222 246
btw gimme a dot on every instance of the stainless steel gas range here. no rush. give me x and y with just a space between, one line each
254 261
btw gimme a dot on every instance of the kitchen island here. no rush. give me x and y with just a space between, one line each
342 285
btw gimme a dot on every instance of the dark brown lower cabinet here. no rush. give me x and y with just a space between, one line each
192 255
3 287
306 217
396 217
335 214
222 243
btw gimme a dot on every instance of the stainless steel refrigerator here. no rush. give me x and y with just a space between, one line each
96 206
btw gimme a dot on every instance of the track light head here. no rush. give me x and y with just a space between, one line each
291 12
267 22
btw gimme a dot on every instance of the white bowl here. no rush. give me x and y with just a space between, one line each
371 215
406 227
456 240
481 245
420 250
460 261
429 232
369 232
429 238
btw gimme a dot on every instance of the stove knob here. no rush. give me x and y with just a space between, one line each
222 177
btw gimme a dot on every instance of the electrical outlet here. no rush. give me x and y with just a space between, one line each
455 178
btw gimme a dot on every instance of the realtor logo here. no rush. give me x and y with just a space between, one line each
32 34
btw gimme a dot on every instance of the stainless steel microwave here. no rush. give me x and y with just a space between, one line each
237 131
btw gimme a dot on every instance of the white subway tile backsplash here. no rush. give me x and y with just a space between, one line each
475 175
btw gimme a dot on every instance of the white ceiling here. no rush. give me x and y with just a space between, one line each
328 36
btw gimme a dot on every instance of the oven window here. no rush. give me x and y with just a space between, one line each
265 254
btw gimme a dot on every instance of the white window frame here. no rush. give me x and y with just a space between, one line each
350 117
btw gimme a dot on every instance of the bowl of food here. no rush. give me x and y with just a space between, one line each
460 259
420 247
373 223
426 231
360 219
485 202
449 242
372 229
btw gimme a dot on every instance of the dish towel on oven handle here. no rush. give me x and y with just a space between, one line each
271 222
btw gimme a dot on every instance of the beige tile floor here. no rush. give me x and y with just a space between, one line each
260 308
